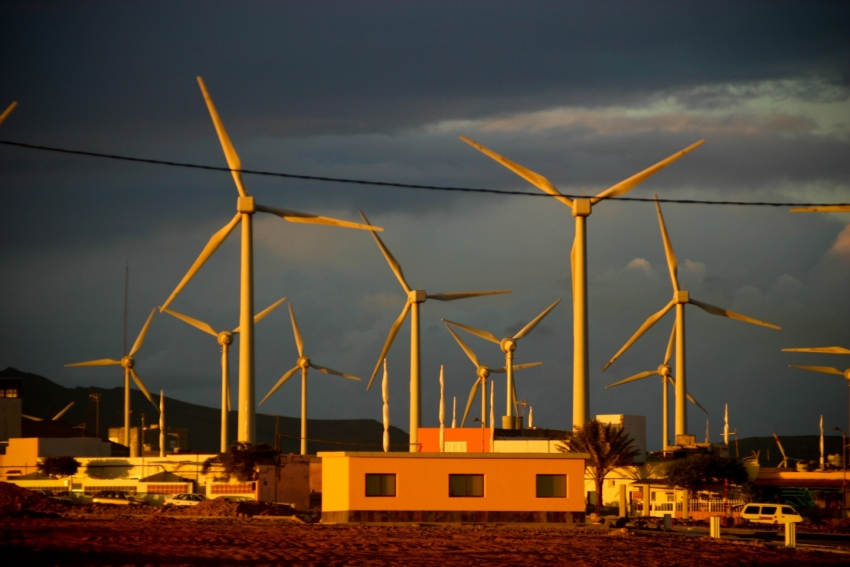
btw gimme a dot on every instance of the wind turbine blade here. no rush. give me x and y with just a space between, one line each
534 178
695 402
141 338
672 263
394 265
8 111
469 352
528 328
233 161
824 369
389 342
99 362
670 343
307 218
513 394
451 296
61 413
500 370
470 400
259 316
643 328
208 250
326 370
299 342
639 376
823 209
526 365
141 387
724 313
477 332
628 184
31 417
194 322
824 350
280 383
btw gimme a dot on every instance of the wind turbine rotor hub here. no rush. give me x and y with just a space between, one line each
581 208
225 338
246 205
304 362
664 370
483 371
682 296
128 362
417 296
508 345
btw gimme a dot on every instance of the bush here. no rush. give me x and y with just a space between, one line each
240 460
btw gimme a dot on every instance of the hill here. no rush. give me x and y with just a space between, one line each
43 398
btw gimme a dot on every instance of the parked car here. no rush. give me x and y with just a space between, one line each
185 499
64 496
235 498
770 513
116 497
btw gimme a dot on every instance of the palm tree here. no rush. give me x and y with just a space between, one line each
608 446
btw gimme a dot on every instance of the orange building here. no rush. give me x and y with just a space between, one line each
458 439
453 487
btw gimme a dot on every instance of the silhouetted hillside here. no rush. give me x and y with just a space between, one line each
43 398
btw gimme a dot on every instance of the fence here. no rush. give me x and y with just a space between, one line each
700 506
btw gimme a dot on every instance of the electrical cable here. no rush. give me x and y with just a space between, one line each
401 185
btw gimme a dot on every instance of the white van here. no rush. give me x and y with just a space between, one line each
770 514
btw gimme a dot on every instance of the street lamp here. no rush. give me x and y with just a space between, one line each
843 467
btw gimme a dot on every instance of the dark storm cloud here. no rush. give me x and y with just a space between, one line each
584 94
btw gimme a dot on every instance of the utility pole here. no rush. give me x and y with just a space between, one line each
96 397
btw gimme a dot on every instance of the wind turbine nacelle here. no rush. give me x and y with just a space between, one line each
683 297
128 362
508 345
581 208
665 371
304 362
417 296
483 371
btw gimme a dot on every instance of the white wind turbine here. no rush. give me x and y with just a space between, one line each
581 209
665 372
128 362
508 346
304 363
225 339
483 372
414 298
680 299
54 418
245 209
825 369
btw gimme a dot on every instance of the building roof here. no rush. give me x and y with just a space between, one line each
400 455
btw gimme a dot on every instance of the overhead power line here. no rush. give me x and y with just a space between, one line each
398 185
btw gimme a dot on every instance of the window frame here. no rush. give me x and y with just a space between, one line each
381 485
468 485
554 488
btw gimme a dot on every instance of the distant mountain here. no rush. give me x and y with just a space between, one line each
42 398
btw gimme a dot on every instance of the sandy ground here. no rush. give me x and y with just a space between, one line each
164 540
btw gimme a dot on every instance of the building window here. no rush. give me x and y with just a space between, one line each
465 485
380 485
455 446
552 486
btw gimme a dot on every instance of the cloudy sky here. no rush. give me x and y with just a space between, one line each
585 94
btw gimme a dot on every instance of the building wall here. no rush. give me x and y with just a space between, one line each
10 418
633 425
477 439
422 481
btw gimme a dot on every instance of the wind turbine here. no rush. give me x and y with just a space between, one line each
824 369
508 346
304 363
483 372
680 299
414 298
128 362
8 111
245 209
225 339
54 418
664 371
581 209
